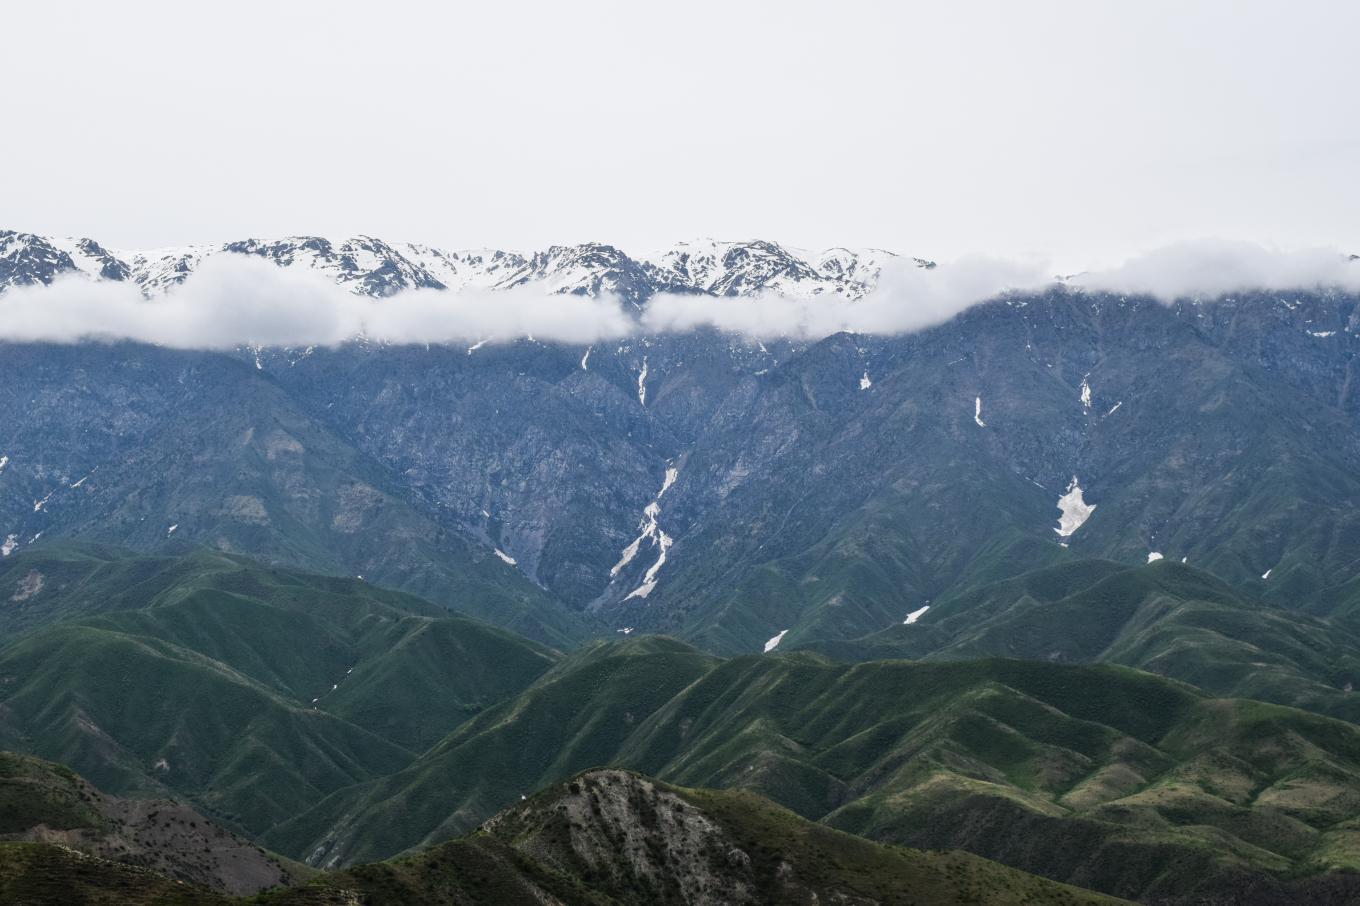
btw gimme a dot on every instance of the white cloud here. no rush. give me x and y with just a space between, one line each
1210 268
238 300
907 298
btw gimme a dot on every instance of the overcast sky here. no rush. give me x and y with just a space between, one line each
1082 130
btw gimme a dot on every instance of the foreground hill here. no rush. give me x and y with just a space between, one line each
605 837
45 803
614 837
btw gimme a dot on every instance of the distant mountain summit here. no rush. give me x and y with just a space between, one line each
372 267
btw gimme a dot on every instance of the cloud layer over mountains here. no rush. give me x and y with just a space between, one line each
236 300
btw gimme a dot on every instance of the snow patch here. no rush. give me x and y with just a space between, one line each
773 643
1086 393
476 346
1075 510
1322 333
649 529
585 359
504 556
39 504
663 543
1153 557
1114 408
642 383
915 615
11 542
4 461
1266 574
628 554
977 413
171 530
627 630
864 382
672 473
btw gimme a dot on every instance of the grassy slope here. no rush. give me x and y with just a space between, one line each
1102 776
606 837
39 874
207 688
612 837
1166 618
576 716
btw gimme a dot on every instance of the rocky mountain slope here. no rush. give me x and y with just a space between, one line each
716 487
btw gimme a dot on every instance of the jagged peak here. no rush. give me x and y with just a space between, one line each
373 266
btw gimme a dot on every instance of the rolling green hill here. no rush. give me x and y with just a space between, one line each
575 717
252 691
611 837
341 723
1101 776
1165 618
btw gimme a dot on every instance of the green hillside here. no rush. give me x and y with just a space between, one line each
610 837
1151 787
1165 618
340 723
250 690
577 716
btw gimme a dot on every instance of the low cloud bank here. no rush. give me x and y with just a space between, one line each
1209 269
233 300
907 298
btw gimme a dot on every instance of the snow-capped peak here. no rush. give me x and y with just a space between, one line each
370 266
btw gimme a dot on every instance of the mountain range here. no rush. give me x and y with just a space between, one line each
721 488
372 267
1069 582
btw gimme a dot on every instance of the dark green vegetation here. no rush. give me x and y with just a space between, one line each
604 837
195 676
1165 618
578 716
252 691
1104 777
613 837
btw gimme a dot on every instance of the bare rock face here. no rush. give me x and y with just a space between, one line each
620 828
